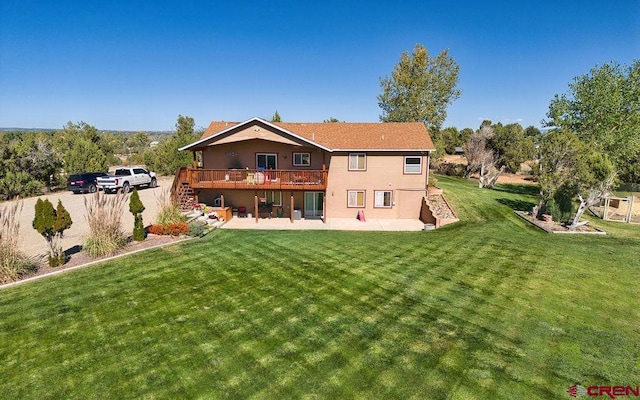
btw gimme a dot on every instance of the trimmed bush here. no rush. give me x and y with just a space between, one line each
196 229
136 208
51 224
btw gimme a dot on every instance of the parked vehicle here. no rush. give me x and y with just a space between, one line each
85 182
124 179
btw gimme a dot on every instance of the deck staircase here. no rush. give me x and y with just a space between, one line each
185 196
181 192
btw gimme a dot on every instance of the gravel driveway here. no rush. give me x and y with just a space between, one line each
32 243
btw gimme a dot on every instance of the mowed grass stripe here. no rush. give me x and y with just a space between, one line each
486 308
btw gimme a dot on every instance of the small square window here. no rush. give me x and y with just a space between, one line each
412 165
301 159
355 198
382 199
357 162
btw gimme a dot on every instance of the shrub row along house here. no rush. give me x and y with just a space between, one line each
309 170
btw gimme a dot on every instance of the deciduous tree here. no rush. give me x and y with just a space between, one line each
570 168
420 88
481 158
603 108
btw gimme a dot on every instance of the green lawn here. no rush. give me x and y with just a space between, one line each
488 308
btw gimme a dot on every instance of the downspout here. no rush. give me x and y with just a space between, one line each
426 183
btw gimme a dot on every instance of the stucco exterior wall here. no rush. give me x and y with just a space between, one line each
243 154
384 172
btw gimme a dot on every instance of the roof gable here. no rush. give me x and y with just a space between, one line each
255 128
330 136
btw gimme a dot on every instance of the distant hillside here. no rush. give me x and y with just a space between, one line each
150 133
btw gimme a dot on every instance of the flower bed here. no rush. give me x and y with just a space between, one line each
169 229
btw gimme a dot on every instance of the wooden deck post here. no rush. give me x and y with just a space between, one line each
291 211
222 200
255 207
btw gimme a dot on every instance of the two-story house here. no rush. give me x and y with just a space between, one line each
311 170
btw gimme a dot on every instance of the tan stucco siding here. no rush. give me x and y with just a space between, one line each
243 155
384 172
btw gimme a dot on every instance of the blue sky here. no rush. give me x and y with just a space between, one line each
137 65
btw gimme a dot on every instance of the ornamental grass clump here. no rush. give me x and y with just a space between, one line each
169 210
13 263
104 214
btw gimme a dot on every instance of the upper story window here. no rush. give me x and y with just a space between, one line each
357 161
413 165
301 159
266 161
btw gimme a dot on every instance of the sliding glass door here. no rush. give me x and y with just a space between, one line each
313 205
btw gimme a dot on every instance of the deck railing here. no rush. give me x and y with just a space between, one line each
199 178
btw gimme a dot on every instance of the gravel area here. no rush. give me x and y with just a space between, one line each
33 244
439 207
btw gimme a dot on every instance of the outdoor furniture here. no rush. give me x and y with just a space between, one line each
264 208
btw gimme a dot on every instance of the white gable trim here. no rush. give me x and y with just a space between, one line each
249 122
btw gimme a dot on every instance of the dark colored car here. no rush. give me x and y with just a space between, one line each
84 182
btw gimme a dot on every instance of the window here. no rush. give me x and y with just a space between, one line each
413 165
357 162
301 159
266 161
382 199
355 198
273 197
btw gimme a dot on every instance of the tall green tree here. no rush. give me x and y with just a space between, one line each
571 168
165 158
28 162
82 148
85 155
603 108
511 146
420 88
276 117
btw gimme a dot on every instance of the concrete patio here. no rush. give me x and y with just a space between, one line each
345 224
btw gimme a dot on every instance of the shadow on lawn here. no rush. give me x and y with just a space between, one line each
531 190
518 205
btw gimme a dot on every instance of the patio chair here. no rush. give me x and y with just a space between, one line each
242 212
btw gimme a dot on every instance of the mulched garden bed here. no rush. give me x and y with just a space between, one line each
555 227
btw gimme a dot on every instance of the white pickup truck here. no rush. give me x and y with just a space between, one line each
125 178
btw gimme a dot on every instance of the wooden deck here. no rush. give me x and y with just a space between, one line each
248 179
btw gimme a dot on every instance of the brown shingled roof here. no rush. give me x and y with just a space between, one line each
350 136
